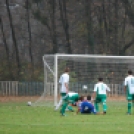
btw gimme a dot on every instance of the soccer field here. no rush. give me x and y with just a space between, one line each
18 118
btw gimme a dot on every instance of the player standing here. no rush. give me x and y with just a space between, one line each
100 95
129 90
64 86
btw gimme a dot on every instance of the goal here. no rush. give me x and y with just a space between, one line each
84 71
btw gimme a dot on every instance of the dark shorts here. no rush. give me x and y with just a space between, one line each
130 97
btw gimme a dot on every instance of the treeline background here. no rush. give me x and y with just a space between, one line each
31 28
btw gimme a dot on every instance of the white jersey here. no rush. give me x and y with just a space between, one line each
64 79
101 88
129 82
72 94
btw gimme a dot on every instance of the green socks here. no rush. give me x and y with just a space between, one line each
70 108
104 107
63 108
129 107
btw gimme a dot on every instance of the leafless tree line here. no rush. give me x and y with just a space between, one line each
31 28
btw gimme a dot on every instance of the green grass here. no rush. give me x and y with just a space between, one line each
17 118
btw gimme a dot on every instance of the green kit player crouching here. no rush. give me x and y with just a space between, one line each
70 98
100 95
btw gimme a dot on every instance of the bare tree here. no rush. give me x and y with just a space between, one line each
128 5
65 24
30 35
48 20
13 38
89 24
52 11
6 49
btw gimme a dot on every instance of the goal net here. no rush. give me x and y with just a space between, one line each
84 72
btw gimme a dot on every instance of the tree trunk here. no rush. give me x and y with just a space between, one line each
88 18
7 50
30 38
64 19
105 26
53 25
116 6
13 38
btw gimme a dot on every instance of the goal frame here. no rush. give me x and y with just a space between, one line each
55 71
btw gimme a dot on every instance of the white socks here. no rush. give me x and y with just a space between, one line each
59 104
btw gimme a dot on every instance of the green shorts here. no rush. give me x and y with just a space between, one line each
74 98
64 96
130 96
100 98
67 98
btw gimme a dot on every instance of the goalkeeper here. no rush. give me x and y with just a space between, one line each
68 99
100 95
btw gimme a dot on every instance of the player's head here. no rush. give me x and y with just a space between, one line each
85 98
100 79
89 98
130 72
67 70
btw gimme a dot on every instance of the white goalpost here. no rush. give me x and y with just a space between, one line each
84 71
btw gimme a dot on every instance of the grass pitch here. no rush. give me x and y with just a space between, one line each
18 118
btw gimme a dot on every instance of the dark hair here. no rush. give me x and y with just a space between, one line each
67 69
100 79
81 98
130 72
89 97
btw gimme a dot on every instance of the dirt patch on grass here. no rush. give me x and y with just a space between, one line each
117 98
48 98
18 99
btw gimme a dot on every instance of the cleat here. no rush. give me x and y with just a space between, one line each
56 109
104 112
128 113
62 114
72 110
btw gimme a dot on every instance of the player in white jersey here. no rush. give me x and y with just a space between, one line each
129 90
64 86
100 95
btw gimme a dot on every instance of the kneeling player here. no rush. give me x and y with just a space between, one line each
87 107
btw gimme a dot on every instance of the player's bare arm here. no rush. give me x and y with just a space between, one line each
67 89
94 95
